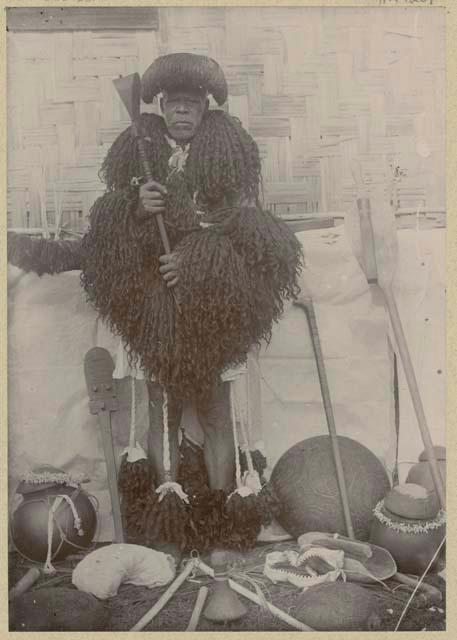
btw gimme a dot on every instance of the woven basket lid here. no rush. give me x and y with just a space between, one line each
411 501
31 484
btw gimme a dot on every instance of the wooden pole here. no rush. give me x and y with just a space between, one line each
24 583
278 613
196 613
371 273
165 597
306 304
414 391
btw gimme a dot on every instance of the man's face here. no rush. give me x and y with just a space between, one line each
183 110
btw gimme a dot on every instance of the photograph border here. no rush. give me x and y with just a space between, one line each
451 314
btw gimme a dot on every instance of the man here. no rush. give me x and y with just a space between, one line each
183 109
188 317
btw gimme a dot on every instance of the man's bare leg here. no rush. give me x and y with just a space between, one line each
155 433
155 449
219 449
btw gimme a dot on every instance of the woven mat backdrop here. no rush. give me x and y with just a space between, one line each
316 87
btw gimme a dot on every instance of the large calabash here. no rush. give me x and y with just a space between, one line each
305 482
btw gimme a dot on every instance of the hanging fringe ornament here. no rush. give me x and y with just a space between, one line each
243 507
207 518
234 275
252 460
193 475
167 514
259 462
250 477
269 505
209 524
134 479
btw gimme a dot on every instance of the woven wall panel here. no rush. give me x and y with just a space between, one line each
316 88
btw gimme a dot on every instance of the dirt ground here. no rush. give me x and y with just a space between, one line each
131 602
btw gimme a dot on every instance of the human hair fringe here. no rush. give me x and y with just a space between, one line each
135 482
233 275
223 158
208 522
234 279
40 255
223 161
165 520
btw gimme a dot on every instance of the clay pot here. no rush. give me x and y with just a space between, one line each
421 474
411 541
29 523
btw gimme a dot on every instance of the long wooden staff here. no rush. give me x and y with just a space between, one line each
129 90
165 597
306 303
371 273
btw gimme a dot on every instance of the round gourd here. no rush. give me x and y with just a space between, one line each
305 482
421 473
411 501
29 523
57 609
439 451
338 606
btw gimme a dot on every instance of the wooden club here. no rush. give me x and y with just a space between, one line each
98 370
129 90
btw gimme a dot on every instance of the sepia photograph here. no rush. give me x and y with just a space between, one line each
226 318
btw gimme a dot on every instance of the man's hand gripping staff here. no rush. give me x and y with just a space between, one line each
152 192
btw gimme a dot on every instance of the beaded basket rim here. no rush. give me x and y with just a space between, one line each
415 527
46 477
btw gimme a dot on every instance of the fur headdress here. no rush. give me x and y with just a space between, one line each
184 69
